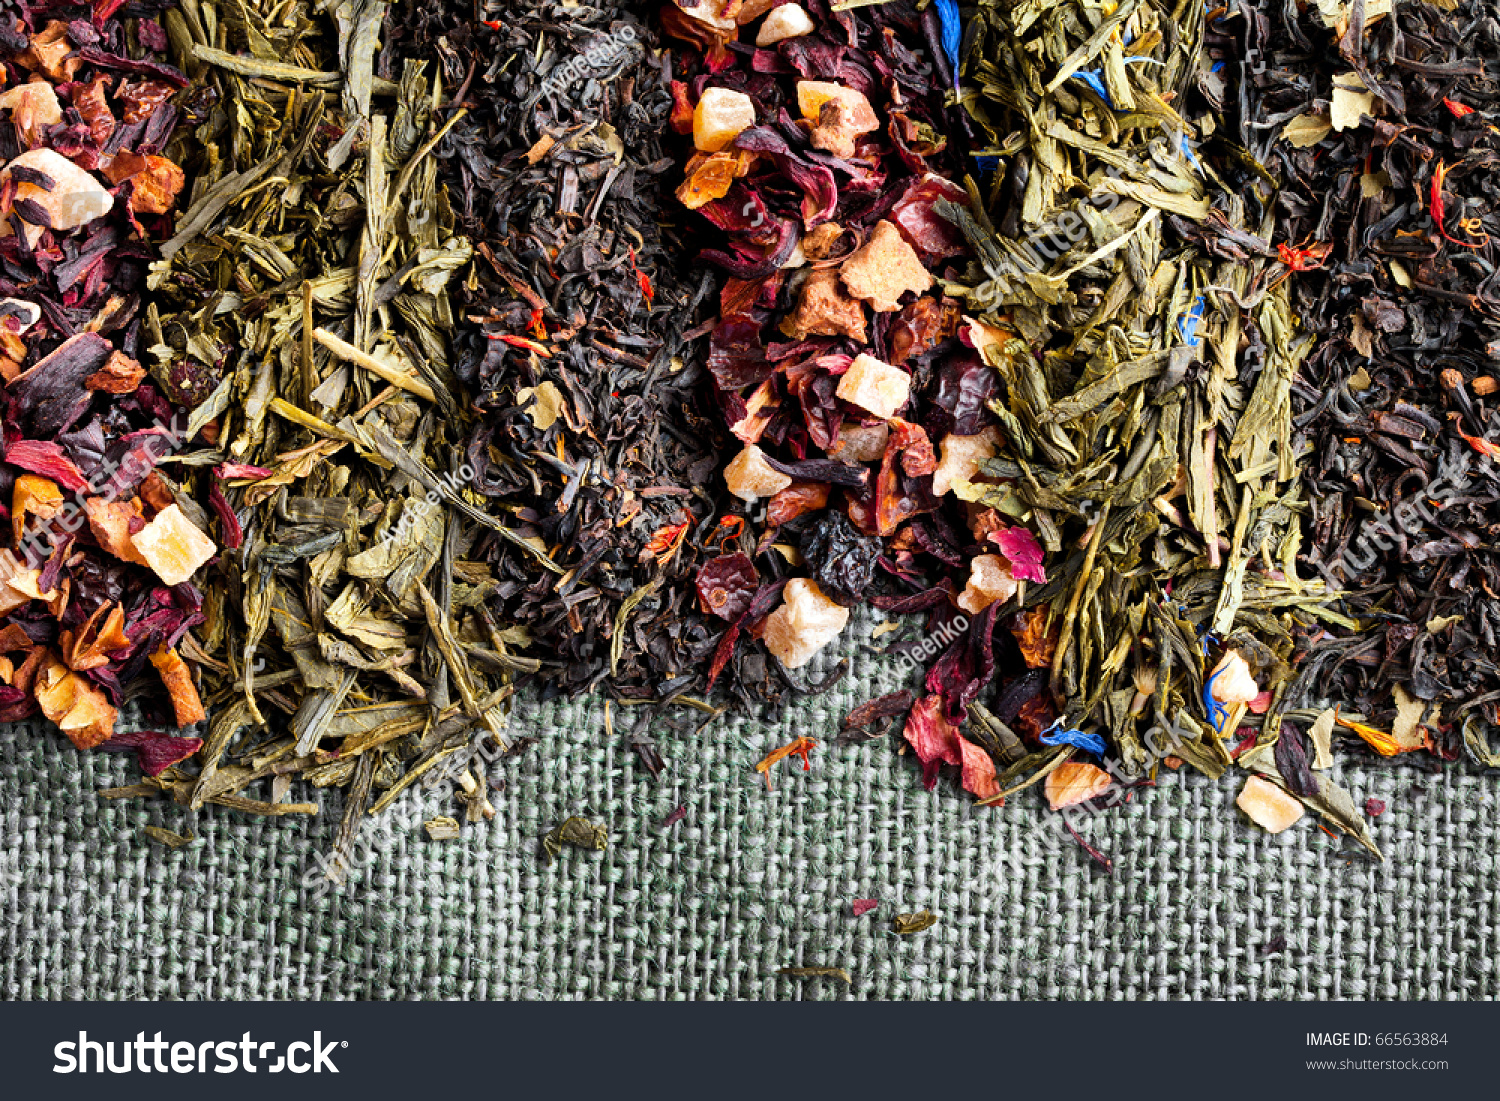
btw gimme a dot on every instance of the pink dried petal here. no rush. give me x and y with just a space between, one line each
1023 551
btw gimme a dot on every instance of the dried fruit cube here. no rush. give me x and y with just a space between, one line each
960 457
750 477
1268 806
875 387
172 546
787 21
858 443
989 580
803 624
719 117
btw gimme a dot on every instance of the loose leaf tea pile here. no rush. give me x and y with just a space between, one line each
302 304
571 336
96 581
1137 353
1147 355
1381 124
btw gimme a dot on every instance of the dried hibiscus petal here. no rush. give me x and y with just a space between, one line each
157 751
936 742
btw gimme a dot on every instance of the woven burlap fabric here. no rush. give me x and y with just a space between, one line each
748 882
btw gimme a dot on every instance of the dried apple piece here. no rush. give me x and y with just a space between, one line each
36 496
101 635
884 269
825 308
113 523
78 707
175 674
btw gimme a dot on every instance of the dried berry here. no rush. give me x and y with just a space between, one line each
727 584
842 560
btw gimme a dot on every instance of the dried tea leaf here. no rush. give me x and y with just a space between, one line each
906 924
578 832
166 837
1321 734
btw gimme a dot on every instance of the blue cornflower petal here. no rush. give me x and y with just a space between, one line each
1095 81
1218 714
952 33
1093 743
1188 325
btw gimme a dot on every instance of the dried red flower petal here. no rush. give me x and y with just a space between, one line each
936 742
157 751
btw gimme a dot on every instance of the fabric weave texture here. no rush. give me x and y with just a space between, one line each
750 881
